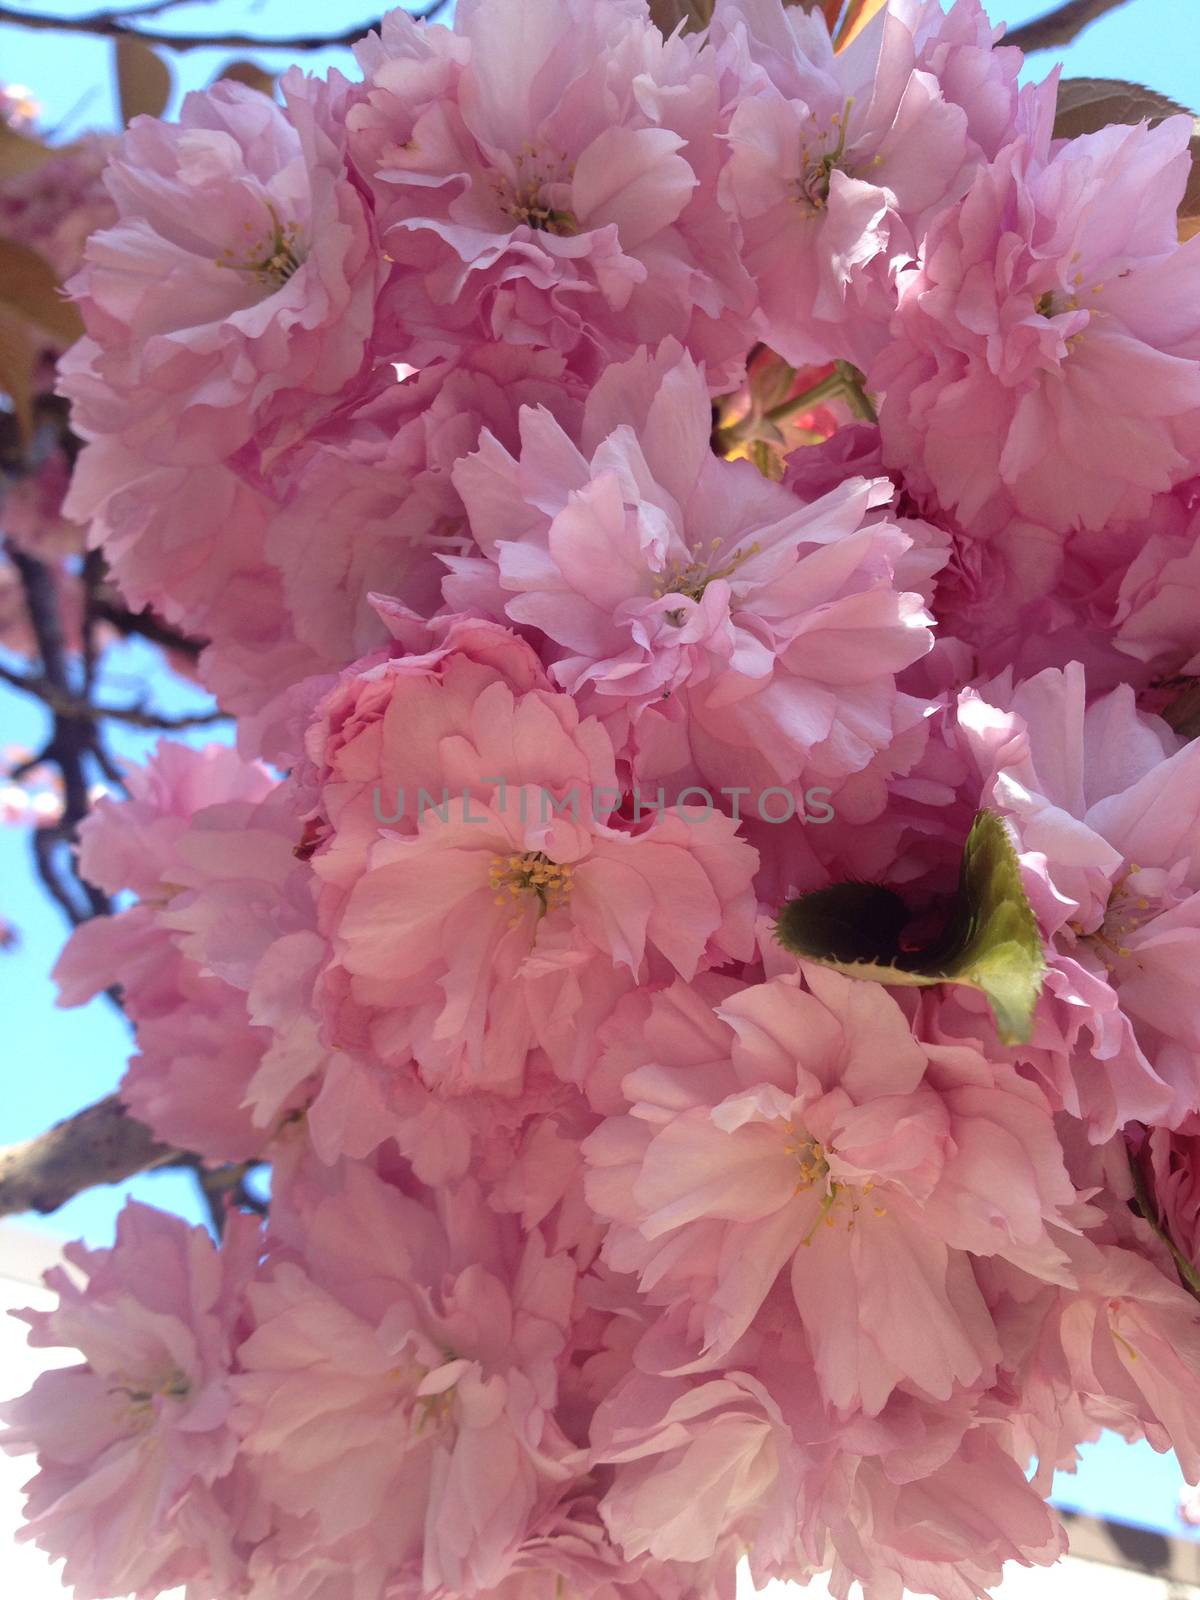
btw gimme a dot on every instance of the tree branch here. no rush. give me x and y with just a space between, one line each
101 1144
146 625
1060 26
112 25
72 707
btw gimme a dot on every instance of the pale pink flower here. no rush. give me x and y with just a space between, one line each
133 1441
400 1381
238 284
546 175
223 907
1054 287
190 541
494 901
808 1130
838 161
718 626
1119 1350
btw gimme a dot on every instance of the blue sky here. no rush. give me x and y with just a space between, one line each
60 1060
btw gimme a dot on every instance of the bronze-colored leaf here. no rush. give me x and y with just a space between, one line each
249 73
668 14
19 153
19 352
29 287
1189 206
143 79
1085 105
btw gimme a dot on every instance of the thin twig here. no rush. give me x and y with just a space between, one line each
146 625
1060 26
73 707
112 25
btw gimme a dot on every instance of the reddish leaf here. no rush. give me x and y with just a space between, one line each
1189 206
29 287
1085 105
249 73
143 79
19 352
19 153
694 14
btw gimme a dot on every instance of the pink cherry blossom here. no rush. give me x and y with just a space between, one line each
1055 281
237 284
717 625
807 1129
199 843
513 902
546 174
133 1441
838 163
1103 802
425 1383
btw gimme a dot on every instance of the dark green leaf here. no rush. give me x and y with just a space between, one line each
991 940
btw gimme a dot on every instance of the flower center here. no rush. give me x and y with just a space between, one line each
530 198
692 578
817 164
1124 914
176 1385
839 1200
272 260
533 873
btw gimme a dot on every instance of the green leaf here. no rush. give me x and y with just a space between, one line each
990 943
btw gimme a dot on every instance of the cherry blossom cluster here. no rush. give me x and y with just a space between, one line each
579 447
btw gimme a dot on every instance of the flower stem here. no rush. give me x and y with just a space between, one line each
1148 1211
856 395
